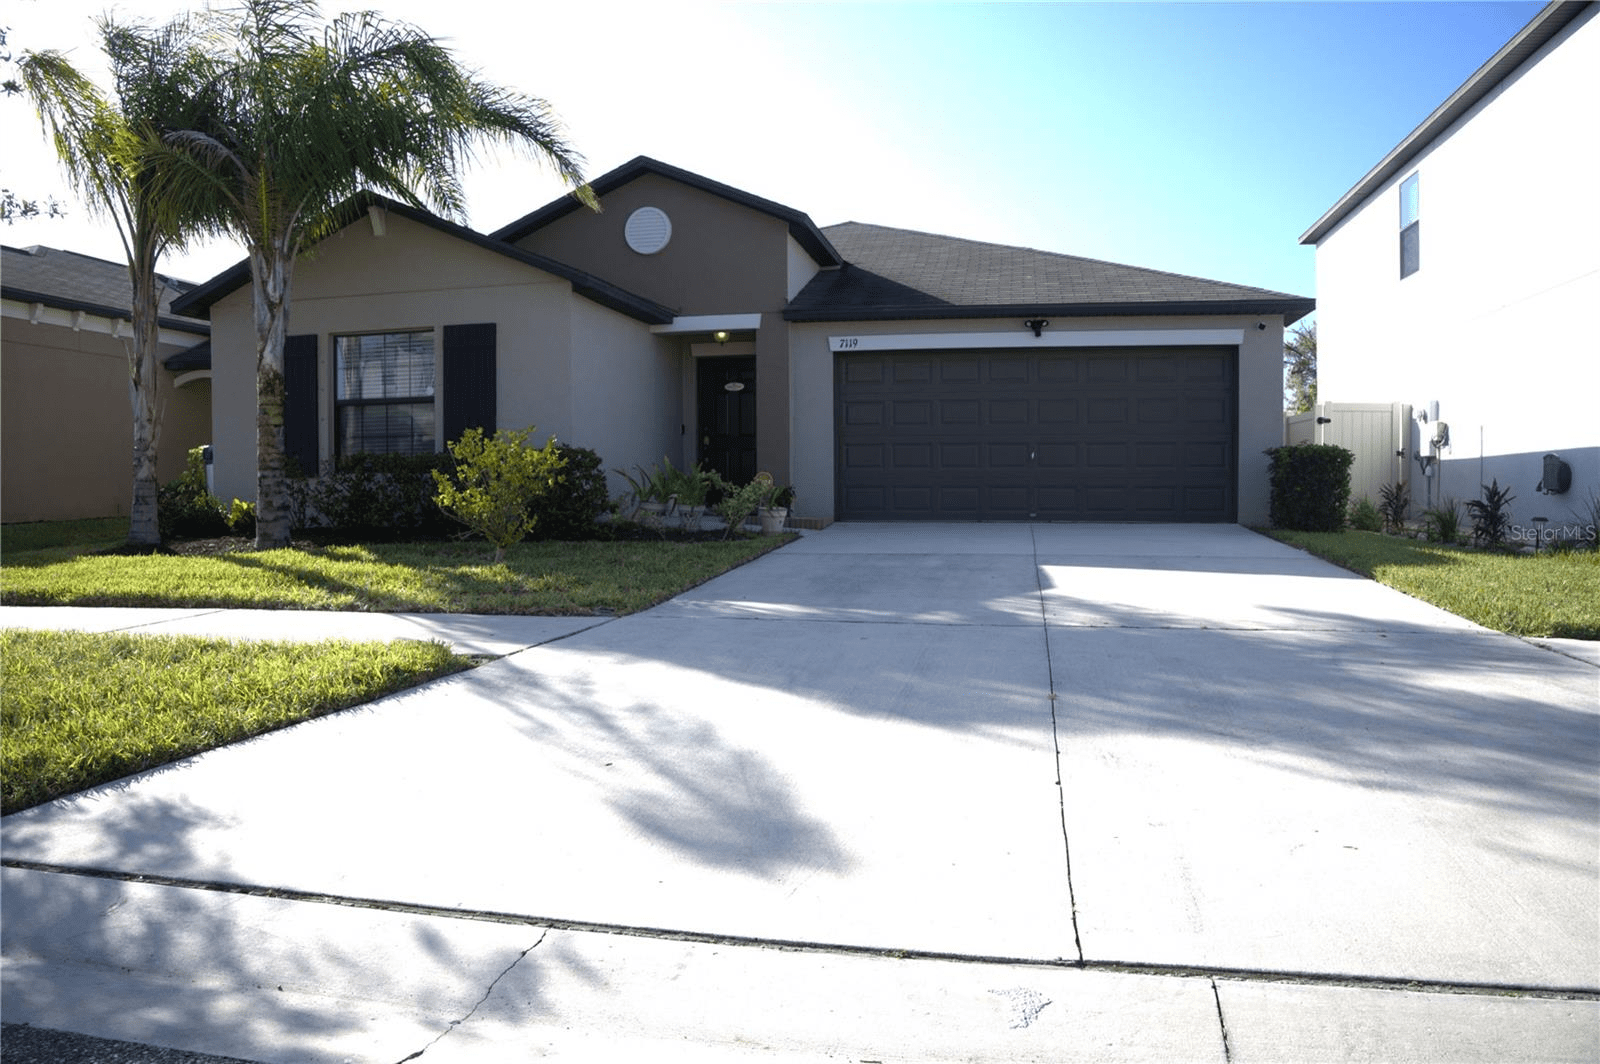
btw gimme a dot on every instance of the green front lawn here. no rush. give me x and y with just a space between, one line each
1548 594
78 710
535 578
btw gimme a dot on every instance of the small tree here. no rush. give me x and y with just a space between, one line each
1300 369
497 483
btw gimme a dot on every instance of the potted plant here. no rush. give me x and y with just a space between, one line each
690 487
775 502
652 492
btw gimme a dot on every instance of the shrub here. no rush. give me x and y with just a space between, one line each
1364 516
738 503
1396 502
379 497
242 518
1491 515
185 509
1444 522
1310 486
573 505
497 484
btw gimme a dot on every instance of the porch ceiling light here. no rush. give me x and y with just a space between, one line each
720 336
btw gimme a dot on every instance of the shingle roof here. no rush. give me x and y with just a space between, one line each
801 227
601 291
900 273
71 281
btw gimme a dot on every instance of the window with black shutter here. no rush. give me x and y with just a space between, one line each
383 393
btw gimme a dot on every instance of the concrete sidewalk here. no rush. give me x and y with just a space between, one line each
1008 792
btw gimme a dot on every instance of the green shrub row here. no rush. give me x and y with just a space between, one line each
382 497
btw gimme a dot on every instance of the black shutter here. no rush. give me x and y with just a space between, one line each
300 401
469 379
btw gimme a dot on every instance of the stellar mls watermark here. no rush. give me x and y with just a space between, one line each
1551 533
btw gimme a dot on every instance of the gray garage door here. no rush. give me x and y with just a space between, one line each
1112 434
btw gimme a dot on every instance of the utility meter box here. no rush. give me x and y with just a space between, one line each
1557 475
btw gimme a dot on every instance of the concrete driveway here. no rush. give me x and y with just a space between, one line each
902 792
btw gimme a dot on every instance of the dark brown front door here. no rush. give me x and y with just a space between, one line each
727 412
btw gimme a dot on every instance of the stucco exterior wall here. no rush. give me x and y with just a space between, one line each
1493 325
811 400
722 258
627 396
66 445
412 278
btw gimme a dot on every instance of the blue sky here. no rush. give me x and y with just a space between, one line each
1201 138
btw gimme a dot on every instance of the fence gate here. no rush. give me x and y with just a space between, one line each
1378 434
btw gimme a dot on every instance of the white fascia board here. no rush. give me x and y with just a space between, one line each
699 323
83 321
1023 338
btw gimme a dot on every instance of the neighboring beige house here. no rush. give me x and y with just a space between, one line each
886 374
1461 276
67 444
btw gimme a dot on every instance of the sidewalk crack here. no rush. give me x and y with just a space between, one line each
1222 1023
479 1003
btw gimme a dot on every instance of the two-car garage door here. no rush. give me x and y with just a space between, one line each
1078 434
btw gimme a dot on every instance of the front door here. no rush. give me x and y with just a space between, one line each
727 413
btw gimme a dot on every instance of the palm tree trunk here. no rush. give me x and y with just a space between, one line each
270 272
144 529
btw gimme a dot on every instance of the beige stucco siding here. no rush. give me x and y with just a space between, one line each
415 277
66 450
722 258
811 382
626 393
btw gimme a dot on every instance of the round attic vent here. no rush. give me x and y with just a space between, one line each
648 230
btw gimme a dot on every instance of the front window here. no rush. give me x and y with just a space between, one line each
384 394
1410 232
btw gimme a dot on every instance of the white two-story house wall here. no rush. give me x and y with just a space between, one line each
1461 275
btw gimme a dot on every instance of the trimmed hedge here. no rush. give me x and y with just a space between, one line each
1310 486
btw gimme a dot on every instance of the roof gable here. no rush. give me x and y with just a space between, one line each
801 227
200 300
901 273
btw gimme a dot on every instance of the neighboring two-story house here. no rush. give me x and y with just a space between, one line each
1461 276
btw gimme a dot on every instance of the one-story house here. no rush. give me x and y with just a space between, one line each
886 374
1459 277
67 425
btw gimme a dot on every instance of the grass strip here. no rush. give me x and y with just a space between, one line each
78 709
1554 595
553 578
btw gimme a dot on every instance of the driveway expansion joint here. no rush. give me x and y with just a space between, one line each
1170 971
1222 1023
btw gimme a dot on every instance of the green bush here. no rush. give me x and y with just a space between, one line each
1310 486
185 509
1444 522
497 484
378 497
573 505
1491 515
1364 517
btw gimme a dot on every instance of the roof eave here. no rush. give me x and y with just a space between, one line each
23 295
1291 309
1539 31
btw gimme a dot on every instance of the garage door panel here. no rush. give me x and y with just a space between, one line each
1113 434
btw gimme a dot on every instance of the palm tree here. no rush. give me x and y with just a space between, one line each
109 149
300 117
